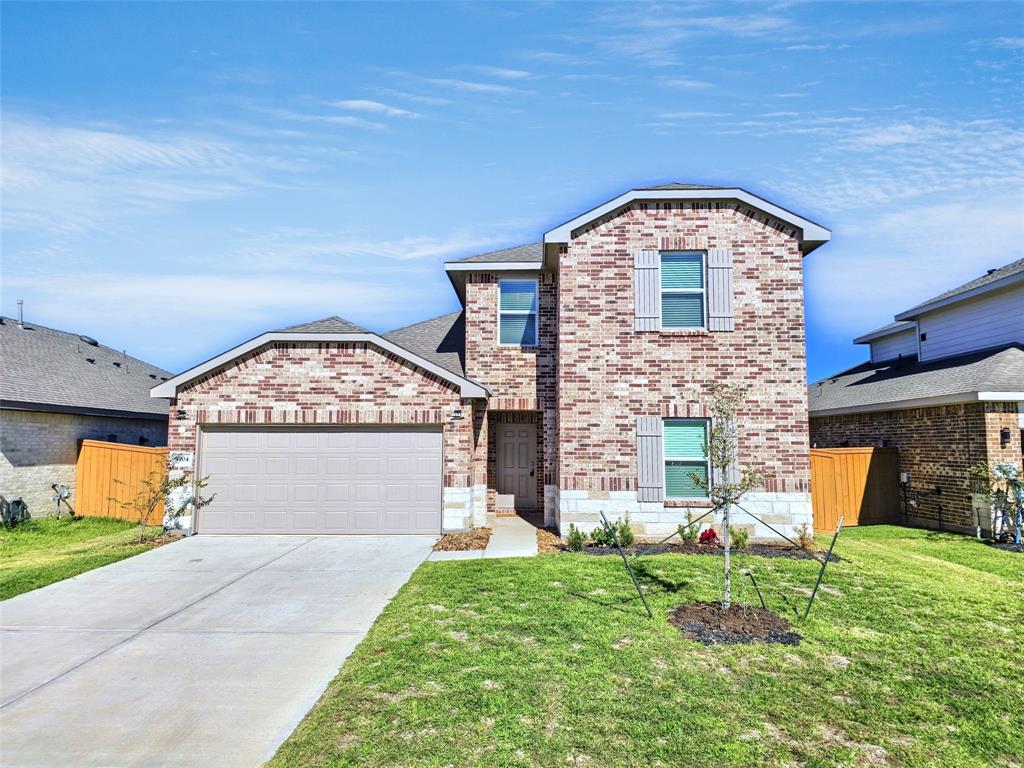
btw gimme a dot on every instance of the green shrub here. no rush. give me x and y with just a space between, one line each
626 537
690 531
738 537
602 537
576 539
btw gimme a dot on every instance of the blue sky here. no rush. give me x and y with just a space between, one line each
180 177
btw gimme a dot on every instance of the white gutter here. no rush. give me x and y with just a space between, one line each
813 235
169 388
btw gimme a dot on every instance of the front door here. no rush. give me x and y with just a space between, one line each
517 463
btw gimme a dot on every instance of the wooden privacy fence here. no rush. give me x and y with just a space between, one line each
860 483
100 464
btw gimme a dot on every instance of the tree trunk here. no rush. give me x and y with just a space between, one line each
727 593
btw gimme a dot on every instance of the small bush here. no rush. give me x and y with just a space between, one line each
626 537
602 537
576 539
708 537
805 538
738 537
690 531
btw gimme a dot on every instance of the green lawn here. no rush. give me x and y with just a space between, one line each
44 550
912 657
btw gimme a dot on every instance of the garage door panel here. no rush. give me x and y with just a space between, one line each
296 480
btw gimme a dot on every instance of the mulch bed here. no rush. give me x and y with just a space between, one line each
476 538
1009 546
548 540
686 548
710 624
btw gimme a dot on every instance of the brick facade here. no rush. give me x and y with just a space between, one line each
335 383
39 448
609 373
937 448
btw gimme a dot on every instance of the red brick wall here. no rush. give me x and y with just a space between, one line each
937 447
327 383
609 373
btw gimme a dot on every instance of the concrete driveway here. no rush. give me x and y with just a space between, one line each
205 652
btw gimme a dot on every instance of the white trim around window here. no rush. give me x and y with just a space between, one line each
531 312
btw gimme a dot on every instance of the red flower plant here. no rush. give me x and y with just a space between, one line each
708 536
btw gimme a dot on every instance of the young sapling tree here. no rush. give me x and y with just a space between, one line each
157 490
728 482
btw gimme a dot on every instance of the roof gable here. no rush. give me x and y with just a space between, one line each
994 279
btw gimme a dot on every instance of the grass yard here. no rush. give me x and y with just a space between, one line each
44 550
912 657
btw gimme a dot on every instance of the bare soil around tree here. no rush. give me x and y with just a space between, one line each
710 624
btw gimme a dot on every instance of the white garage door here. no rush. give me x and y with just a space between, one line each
295 480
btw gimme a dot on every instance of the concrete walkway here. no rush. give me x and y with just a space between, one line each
511 537
205 652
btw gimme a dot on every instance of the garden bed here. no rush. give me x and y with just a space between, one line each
464 541
548 540
710 624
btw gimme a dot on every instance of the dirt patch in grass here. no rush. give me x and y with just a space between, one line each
687 548
464 540
153 542
548 540
1009 546
711 624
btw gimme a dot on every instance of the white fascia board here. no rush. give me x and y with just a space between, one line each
882 333
1005 397
813 234
491 266
956 298
169 388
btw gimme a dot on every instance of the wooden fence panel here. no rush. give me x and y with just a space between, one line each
860 484
100 464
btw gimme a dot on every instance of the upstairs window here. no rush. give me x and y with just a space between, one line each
517 313
682 289
685 456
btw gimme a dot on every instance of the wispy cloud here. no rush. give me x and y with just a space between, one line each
685 83
502 72
376 107
1009 42
470 86
61 179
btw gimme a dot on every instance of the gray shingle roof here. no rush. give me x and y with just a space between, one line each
54 368
332 324
991 276
528 252
871 384
885 330
441 340
679 186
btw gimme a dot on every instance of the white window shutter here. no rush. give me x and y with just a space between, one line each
650 459
647 290
720 290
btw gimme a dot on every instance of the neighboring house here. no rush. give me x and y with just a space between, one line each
574 378
944 385
58 388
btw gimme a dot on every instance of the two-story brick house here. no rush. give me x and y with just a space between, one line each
944 384
574 378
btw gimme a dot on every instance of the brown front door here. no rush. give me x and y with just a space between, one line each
517 463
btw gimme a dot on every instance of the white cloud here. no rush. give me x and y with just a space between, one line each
503 73
60 179
685 83
1009 42
473 87
366 105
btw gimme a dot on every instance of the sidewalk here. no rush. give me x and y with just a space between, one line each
510 537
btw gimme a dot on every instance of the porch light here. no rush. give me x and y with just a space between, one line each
457 414
1004 437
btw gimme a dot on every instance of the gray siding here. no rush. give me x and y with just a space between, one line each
986 321
894 345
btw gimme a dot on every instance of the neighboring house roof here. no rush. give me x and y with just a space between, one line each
441 340
517 253
49 370
992 374
332 324
992 280
886 330
812 235
334 329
